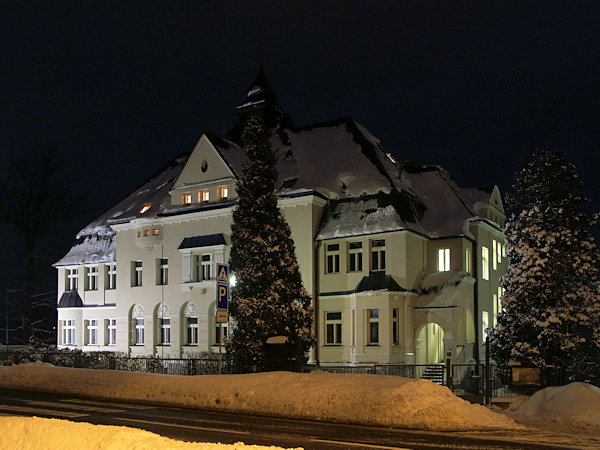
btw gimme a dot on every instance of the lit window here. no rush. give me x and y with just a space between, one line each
165 331
111 276
333 327
203 195
146 232
139 331
145 208
378 255
485 323
111 331
499 253
355 257
92 332
192 331
494 250
500 290
485 263
468 260
332 258
373 337
443 260
92 278
223 192
186 198
155 232
503 251
494 309
139 234
136 273
163 271
396 326
72 279
68 332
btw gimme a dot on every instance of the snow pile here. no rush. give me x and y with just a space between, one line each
346 398
34 433
574 403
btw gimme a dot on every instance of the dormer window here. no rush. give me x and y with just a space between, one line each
145 208
186 198
155 232
146 232
203 195
223 192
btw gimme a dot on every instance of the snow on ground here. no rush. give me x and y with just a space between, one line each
35 433
348 398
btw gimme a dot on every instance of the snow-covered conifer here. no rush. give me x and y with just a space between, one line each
551 300
269 298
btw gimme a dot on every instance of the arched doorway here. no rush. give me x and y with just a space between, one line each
430 344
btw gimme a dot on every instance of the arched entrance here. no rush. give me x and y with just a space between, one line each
430 344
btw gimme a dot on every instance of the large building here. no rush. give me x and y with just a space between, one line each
402 264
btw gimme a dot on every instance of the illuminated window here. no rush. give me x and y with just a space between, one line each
373 333
223 192
494 250
203 196
443 260
378 255
355 256
485 323
485 263
468 260
499 299
396 326
186 198
155 232
332 258
333 328
503 251
494 309
499 253
146 232
139 234
145 208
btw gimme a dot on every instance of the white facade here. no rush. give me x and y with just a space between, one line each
402 264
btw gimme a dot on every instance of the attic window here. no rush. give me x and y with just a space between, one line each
155 232
186 198
287 184
223 192
390 157
145 208
204 166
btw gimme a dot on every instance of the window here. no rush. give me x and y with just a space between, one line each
145 208
217 330
146 232
378 255
503 251
192 331
333 328
111 276
373 315
68 332
203 267
353 327
443 260
163 271
139 234
396 326
165 331
155 232
223 192
494 250
203 195
186 198
92 278
494 309
92 332
499 299
332 258
485 263
139 332
111 331
499 253
72 279
468 260
485 323
136 273
355 257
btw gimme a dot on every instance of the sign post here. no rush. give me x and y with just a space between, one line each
222 303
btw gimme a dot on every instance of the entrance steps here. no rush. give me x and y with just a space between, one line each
434 373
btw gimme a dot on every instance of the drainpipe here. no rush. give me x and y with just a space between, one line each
475 269
316 303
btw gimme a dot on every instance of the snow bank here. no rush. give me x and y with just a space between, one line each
34 433
347 398
573 403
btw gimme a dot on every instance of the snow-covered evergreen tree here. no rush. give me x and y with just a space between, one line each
269 298
551 300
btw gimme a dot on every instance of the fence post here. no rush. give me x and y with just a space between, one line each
448 374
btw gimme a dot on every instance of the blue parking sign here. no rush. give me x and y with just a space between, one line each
222 296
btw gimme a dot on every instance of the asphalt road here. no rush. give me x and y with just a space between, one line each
209 426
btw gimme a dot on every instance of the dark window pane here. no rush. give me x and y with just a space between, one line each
334 316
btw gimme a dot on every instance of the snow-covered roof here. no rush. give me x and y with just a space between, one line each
91 249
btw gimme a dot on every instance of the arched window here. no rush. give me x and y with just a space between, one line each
163 314
191 324
137 325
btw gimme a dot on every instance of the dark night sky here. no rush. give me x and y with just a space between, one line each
122 88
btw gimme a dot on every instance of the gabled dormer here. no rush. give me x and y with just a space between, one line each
492 209
205 179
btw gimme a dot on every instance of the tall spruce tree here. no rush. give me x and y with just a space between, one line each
268 299
551 300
